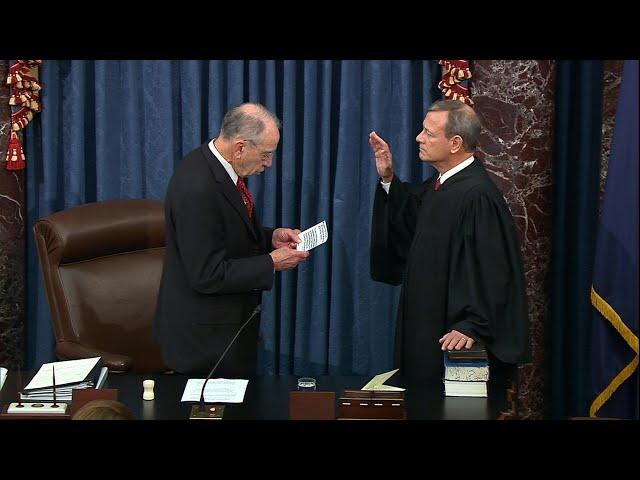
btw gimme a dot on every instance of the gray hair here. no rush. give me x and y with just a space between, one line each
462 120
247 121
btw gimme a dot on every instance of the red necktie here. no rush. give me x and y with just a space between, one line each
437 185
246 195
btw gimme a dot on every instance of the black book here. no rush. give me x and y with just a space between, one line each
477 353
95 378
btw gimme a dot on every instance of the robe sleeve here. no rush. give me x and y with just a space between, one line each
486 294
393 224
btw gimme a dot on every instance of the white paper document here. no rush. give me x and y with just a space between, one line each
377 383
3 376
312 237
69 371
218 390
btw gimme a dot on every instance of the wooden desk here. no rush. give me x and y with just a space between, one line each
267 397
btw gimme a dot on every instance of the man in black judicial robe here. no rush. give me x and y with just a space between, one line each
451 242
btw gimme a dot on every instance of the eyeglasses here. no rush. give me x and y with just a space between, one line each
263 154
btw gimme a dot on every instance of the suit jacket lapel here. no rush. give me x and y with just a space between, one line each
257 226
229 190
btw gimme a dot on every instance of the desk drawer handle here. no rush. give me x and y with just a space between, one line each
346 403
364 404
377 404
395 404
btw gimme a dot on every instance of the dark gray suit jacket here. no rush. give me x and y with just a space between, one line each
216 266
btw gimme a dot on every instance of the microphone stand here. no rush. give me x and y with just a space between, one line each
19 404
201 410
53 374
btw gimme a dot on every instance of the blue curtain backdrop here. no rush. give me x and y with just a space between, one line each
576 167
117 129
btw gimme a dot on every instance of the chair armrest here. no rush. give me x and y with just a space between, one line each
74 351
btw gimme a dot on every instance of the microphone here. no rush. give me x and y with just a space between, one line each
201 410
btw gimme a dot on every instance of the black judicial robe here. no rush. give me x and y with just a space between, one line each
456 254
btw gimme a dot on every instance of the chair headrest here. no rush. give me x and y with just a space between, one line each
103 228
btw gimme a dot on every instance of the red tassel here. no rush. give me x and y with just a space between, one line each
453 73
24 94
15 155
21 118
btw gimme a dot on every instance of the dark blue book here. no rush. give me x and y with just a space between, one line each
477 353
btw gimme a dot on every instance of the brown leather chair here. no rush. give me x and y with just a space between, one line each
102 264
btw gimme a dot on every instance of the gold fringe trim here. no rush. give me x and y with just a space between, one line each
611 315
605 395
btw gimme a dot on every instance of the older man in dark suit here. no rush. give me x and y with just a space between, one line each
219 258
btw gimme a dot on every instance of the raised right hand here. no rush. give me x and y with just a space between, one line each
384 159
286 258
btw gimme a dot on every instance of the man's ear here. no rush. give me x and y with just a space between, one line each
238 148
456 144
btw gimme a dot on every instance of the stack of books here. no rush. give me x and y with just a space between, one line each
466 372
69 375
